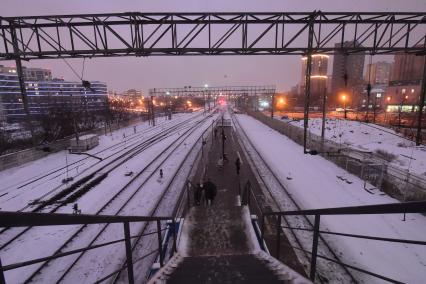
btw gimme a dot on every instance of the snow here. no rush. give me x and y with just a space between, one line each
314 184
92 265
84 137
14 198
370 137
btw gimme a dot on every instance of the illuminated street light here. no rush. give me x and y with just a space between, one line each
344 105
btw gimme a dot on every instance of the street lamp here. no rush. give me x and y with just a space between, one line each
404 98
205 87
168 105
388 99
344 105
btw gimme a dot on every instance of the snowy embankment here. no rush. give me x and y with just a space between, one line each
314 183
374 138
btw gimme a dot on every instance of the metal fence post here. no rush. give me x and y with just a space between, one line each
174 235
2 279
188 196
128 252
160 250
262 231
278 236
315 247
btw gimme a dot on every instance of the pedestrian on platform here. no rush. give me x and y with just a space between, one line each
223 136
238 165
215 133
220 163
134 129
161 173
198 194
210 191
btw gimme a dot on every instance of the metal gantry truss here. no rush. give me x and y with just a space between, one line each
213 91
169 34
234 33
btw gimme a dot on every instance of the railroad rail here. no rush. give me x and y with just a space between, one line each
282 201
154 163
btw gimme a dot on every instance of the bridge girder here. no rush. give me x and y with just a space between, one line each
181 34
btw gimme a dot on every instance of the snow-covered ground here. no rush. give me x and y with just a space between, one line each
314 183
15 194
370 137
91 202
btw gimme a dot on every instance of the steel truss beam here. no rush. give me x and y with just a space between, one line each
171 34
213 91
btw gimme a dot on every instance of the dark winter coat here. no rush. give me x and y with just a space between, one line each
210 190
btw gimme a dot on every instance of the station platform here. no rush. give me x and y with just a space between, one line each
218 243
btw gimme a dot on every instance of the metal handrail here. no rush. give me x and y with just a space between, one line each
389 208
392 208
23 219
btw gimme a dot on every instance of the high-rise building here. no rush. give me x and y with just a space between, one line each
378 73
319 67
407 68
405 82
348 74
44 95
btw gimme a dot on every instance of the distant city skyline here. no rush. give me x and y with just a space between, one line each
152 72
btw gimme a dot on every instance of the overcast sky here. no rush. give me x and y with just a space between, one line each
143 73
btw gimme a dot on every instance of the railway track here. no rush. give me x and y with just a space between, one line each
283 201
60 200
120 200
131 145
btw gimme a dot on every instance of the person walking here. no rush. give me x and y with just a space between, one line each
210 191
198 194
220 163
238 165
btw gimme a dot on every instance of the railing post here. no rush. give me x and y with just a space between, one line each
262 231
188 198
278 236
128 252
160 250
315 247
174 235
248 197
2 279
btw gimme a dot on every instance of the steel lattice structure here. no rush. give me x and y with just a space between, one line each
171 34
213 91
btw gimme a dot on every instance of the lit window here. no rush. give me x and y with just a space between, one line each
412 90
378 95
403 91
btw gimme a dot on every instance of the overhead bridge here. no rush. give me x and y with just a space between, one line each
234 33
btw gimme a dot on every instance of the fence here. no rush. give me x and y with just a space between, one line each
368 166
409 207
21 157
18 219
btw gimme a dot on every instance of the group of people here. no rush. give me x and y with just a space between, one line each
205 193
